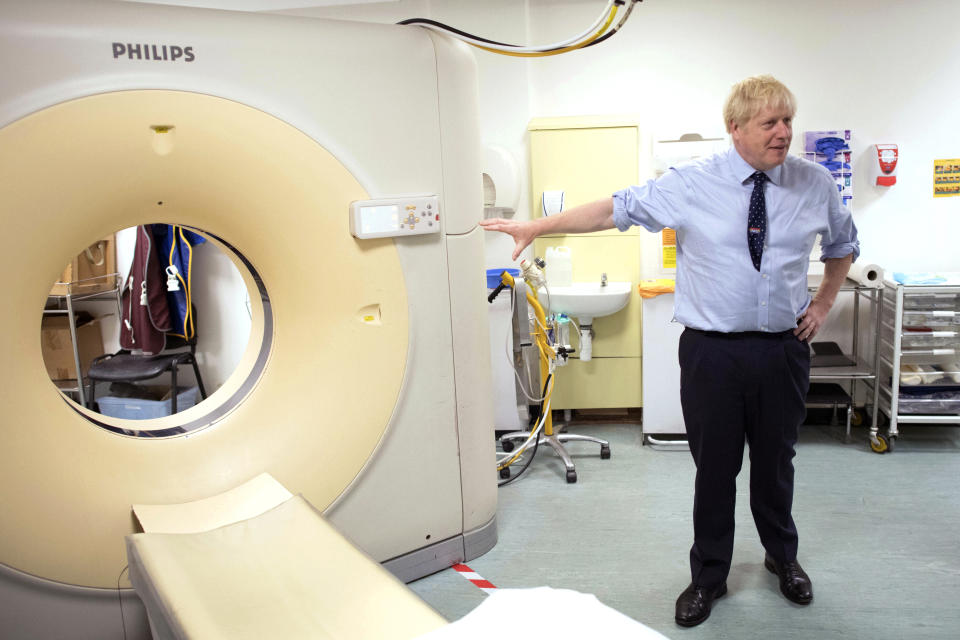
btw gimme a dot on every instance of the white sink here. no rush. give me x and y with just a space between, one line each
586 300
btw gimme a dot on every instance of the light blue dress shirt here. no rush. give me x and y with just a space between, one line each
706 201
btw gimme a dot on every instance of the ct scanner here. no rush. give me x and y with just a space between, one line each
365 385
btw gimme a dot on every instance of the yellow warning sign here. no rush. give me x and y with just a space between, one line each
668 249
946 178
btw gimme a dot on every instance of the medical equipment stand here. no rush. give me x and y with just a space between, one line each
555 440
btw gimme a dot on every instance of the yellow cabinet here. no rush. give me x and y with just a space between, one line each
601 383
589 159
584 160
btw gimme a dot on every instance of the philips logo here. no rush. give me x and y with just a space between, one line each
152 52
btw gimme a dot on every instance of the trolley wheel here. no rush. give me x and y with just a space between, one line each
505 473
605 452
507 445
879 444
891 439
571 476
856 418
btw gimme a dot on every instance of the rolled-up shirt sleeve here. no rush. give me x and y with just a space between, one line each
653 206
840 238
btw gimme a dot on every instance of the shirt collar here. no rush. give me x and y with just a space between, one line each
742 170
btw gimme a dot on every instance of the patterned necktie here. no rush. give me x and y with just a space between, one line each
757 220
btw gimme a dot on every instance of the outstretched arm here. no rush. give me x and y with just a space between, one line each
593 216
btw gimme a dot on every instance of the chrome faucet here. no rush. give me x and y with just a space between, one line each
603 279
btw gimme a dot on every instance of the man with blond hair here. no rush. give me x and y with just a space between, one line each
746 221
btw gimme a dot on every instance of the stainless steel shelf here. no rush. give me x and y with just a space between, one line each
863 370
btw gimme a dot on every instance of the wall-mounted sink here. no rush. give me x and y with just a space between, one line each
587 300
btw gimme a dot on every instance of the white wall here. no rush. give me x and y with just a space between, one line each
223 314
886 69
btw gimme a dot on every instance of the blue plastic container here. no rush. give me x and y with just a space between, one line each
145 408
493 276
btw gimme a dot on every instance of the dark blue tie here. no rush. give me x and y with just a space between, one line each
757 220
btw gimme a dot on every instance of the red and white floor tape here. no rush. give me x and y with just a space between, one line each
474 577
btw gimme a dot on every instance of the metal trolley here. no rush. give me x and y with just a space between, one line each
862 361
919 378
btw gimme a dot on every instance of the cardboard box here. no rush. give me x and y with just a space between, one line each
58 348
91 271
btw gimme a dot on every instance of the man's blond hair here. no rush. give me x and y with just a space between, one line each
749 96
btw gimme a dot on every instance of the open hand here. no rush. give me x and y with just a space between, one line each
523 233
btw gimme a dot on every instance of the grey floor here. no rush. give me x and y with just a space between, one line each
879 536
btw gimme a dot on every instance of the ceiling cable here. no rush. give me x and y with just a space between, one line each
597 32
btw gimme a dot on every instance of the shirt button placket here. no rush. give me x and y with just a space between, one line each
763 299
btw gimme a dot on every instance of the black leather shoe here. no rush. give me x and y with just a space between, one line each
794 582
693 605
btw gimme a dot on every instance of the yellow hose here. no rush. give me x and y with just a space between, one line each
546 352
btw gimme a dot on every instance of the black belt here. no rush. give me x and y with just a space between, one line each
736 335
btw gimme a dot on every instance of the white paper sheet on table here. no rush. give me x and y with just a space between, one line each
543 612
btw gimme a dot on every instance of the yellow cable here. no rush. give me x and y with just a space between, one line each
522 448
543 345
546 352
546 355
573 47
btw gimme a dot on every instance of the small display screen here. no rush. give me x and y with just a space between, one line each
379 219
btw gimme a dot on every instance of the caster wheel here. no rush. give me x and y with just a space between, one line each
605 452
571 477
879 444
856 418
505 473
890 442
507 445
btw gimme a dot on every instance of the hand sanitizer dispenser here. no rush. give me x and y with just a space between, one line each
552 202
884 164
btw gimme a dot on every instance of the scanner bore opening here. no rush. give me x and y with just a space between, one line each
93 280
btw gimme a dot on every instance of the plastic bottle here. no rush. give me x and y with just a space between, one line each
551 269
559 266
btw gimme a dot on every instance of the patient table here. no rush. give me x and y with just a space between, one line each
281 573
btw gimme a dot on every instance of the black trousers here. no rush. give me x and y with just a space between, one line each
734 388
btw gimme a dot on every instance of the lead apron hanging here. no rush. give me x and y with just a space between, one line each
145 313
